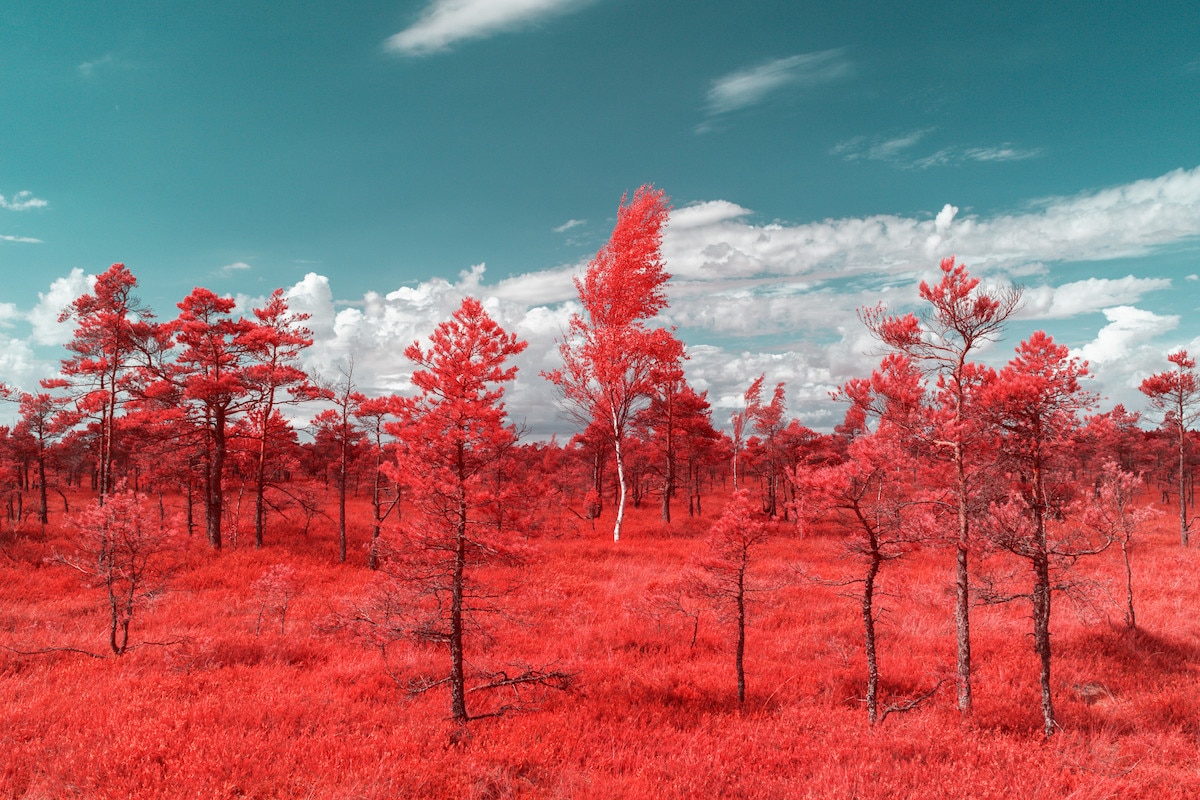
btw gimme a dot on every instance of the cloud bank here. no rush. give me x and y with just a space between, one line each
780 299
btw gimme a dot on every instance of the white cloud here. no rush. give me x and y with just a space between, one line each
1122 221
1087 296
949 156
43 318
1128 328
22 201
236 266
751 86
4 237
88 68
571 223
445 22
777 298
897 150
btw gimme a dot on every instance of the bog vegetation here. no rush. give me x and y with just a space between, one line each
978 585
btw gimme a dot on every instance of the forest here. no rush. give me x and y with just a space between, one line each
226 577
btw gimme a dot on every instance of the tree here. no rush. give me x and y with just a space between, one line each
1111 513
42 417
450 438
273 346
962 317
373 415
339 428
126 551
1037 401
722 575
673 423
610 356
752 399
113 330
872 496
767 422
209 379
1175 394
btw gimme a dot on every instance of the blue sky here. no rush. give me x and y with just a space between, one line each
379 160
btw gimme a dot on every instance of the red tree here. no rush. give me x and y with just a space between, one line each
113 331
1037 402
209 381
722 574
1176 395
450 438
610 356
873 495
962 317
272 377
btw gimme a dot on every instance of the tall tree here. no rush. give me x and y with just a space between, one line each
1037 401
610 355
113 331
273 377
962 317
209 376
450 437
1175 394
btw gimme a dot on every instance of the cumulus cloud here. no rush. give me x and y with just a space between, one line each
43 318
1128 327
21 201
1087 296
754 85
446 22
778 298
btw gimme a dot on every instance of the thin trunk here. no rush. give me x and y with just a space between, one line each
962 605
44 500
620 480
458 687
1041 592
342 497
741 632
868 615
1130 619
214 500
1183 520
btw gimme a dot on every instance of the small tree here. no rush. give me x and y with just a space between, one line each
125 550
722 574
1113 516
1037 401
1176 394
873 497
450 440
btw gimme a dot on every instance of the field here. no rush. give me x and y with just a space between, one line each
230 700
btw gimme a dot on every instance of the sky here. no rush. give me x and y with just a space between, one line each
379 161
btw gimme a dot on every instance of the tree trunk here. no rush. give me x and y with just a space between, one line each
214 490
1130 619
868 615
962 605
620 481
741 634
458 689
1183 520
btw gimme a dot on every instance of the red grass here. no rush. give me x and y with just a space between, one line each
309 713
